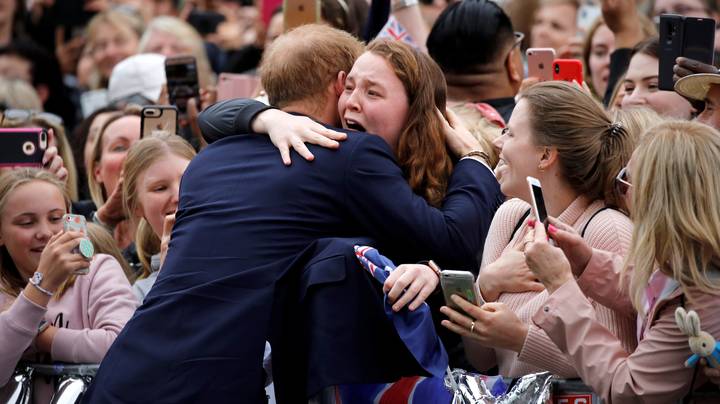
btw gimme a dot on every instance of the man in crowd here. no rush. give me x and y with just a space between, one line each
703 87
482 62
244 217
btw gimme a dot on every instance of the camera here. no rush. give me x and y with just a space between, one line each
557 68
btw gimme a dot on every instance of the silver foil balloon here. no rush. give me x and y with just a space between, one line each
469 388
18 389
71 389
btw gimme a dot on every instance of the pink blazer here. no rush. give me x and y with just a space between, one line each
655 371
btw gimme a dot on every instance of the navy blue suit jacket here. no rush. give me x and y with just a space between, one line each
242 220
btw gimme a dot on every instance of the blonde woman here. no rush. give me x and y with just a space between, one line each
562 136
151 189
118 133
170 36
673 261
45 310
111 37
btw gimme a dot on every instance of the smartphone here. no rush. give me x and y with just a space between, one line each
691 37
77 223
461 283
538 201
182 82
587 14
540 62
568 70
22 147
300 12
237 86
155 118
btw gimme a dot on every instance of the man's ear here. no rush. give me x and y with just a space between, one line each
514 67
339 84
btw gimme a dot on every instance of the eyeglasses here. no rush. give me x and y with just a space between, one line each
519 36
623 184
26 115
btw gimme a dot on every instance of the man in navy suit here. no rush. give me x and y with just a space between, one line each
245 219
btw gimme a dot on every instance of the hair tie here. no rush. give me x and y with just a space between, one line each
615 128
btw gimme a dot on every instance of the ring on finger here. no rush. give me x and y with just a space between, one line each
472 327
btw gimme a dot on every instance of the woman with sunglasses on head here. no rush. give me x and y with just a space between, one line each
560 135
673 261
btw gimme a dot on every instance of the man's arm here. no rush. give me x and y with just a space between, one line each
229 118
379 196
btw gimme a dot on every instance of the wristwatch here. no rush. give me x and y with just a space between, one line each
35 281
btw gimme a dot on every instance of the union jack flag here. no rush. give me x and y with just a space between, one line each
394 30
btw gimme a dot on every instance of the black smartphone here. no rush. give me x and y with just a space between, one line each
22 147
182 82
691 37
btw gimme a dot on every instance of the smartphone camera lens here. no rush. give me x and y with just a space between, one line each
557 68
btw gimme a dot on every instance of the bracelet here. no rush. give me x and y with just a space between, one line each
434 267
400 4
35 281
477 153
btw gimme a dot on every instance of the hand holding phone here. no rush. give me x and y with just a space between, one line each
155 118
461 283
77 223
689 37
22 147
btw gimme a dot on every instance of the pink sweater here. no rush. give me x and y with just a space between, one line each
90 315
609 230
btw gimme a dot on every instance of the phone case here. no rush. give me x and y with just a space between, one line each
73 222
237 86
78 223
158 118
22 147
568 70
538 200
671 43
300 12
461 283
540 62
699 39
182 81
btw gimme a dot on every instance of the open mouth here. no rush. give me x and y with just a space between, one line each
38 250
354 125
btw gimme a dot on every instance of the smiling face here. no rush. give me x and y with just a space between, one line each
158 189
374 99
113 44
117 139
519 154
641 90
32 214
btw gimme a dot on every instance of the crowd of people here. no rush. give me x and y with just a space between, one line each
224 255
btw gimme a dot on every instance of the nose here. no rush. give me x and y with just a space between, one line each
44 231
353 101
636 98
175 198
499 142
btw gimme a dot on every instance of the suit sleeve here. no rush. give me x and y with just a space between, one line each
229 118
380 197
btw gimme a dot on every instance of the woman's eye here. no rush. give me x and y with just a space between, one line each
373 93
55 219
159 188
119 148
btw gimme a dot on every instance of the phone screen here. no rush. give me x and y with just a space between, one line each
461 283
182 82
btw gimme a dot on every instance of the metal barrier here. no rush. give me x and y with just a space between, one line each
72 380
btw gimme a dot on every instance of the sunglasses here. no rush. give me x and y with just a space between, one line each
25 115
622 182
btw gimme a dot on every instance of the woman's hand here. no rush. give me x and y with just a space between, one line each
288 131
111 212
548 263
509 273
711 373
58 261
621 17
52 161
493 324
458 137
577 251
410 283
165 239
